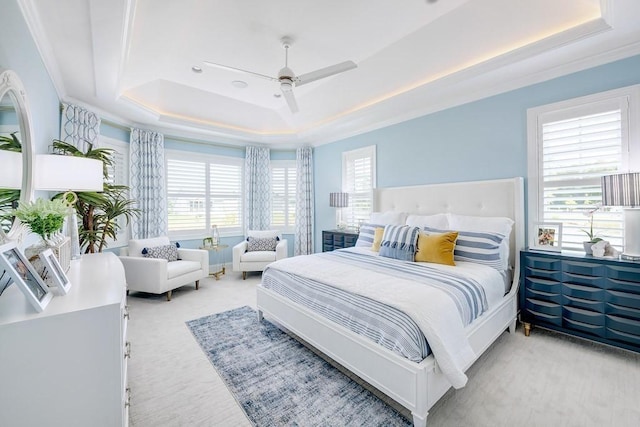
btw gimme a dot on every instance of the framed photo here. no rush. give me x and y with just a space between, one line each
54 270
547 237
24 276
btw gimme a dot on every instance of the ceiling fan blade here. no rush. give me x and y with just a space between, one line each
291 99
226 67
325 72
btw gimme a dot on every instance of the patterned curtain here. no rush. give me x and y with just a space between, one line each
79 127
304 202
147 183
257 179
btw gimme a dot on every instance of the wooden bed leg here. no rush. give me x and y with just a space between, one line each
260 316
168 295
527 329
244 275
512 327
419 421
197 284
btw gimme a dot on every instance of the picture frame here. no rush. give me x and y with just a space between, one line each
13 261
547 236
54 270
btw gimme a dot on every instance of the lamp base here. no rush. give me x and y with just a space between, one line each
631 235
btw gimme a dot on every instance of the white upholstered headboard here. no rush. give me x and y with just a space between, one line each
501 197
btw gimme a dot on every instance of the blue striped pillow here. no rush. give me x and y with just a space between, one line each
399 242
479 247
367 232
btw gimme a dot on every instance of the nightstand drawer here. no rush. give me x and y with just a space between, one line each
541 263
585 304
542 318
613 334
622 285
583 316
623 298
579 279
618 310
629 274
544 307
544 274
583 268
595 330
622 324
543 296
543 285
583 292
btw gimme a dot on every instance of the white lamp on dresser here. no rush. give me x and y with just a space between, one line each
56 172
624 190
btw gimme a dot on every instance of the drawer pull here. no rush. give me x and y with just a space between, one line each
127 402
126 312
127 350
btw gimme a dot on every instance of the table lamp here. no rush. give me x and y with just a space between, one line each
624 190
339 200
56 172
11 170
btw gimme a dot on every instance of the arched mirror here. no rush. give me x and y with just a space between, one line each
16 153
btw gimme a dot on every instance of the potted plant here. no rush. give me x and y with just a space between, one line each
43 217
99 211
590 234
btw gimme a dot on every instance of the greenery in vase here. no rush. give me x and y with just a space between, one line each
99 211
43 217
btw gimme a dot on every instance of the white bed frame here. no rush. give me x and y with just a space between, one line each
416 386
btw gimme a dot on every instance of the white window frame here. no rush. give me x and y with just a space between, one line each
287 164
124 234
628 98
208 159
352 156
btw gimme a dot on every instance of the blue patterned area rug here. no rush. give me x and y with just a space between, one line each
280 382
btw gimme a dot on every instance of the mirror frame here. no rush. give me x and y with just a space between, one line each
11 85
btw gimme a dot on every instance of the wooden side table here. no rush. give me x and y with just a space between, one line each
218 258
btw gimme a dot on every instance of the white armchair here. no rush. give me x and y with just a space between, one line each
157 275
244 260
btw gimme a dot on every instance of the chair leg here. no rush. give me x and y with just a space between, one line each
197 284
168 295
244 275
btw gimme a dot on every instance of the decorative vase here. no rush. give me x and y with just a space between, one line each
587 247
59 244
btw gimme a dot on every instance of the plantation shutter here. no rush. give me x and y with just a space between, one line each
186 194
283 198
358 180
578 147
225 192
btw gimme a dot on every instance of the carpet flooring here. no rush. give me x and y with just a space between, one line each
546 379
280 382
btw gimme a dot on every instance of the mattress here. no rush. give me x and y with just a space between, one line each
474 288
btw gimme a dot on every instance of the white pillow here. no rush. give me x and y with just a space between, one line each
440 221
261 234
492 224
137 245
388 218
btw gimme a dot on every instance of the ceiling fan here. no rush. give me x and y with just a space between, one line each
287 78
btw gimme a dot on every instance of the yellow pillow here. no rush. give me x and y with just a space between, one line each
437 248
377 239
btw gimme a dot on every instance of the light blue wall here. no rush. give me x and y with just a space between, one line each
486 139
18 52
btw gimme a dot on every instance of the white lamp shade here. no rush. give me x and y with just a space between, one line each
10 170
55 172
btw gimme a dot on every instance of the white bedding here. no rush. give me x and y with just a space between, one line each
432 309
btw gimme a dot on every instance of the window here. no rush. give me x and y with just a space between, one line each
203 191
118 174
359 180
572 144
283 195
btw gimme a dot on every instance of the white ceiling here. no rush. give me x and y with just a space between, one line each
131 60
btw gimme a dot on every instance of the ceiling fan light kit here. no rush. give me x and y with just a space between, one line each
287 78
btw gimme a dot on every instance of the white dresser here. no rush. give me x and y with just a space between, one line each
67 366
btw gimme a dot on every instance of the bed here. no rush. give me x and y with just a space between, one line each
416 385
